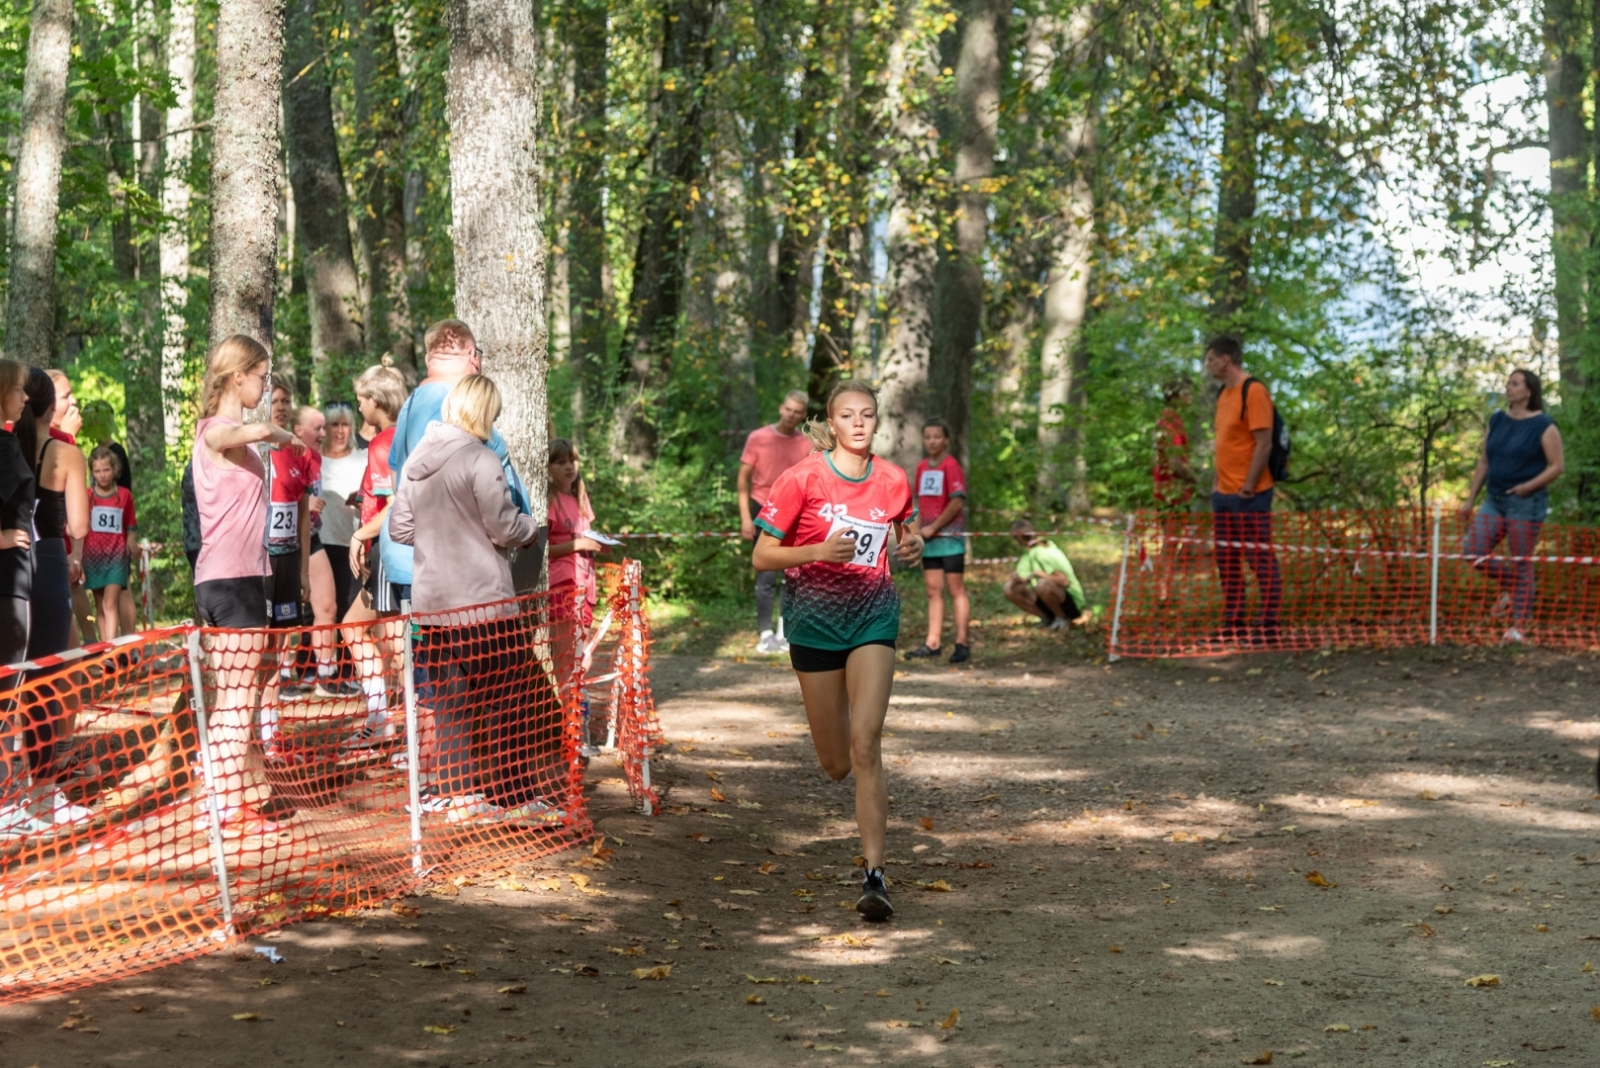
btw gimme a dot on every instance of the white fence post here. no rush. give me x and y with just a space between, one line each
635 640
146 599
413 750
197 705
1122 582
1433 583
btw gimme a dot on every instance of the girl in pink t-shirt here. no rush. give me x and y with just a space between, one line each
572 585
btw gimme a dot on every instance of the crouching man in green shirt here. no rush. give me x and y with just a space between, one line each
1043 582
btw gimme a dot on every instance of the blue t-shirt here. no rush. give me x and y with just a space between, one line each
1515 449
421 410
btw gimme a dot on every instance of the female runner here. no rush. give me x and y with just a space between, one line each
826 526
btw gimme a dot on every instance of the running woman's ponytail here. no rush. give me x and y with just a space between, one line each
819 430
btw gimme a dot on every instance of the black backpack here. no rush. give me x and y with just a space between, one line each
1278 459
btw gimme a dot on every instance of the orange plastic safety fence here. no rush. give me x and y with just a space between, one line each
1195 584
319 769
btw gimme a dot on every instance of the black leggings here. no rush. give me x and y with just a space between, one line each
54 627
16 615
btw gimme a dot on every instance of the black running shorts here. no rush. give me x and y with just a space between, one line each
283 589
806 658
954 564
235 603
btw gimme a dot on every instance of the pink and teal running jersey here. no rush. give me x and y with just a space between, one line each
838 606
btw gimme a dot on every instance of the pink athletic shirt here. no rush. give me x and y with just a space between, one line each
233 511
771 454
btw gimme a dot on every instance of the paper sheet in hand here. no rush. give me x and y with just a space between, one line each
599 537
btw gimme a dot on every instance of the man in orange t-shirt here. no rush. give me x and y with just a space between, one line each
1241 499
769 451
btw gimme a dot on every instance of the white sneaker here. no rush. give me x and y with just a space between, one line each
765 643
470 807
1512 636
17 822
64 811
1059 623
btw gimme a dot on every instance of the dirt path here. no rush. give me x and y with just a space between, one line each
1093 865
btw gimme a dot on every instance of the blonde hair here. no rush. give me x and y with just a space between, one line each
384 385
238 354
281 381
819 430
473 404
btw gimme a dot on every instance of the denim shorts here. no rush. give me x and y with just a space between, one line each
1532 508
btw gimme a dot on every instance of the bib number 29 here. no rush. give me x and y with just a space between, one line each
870 538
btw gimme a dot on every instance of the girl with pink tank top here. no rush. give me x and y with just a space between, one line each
230 572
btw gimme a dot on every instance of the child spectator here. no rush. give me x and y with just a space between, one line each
572 584
1044 583
105 548
941 488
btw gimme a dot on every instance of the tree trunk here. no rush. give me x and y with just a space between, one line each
1236 177
911 244
958 286
31 296
413 182
787 317
659 261
1564 77
322 225
493 103
1065 300
588 308
380 217
142 369
245 176
175 208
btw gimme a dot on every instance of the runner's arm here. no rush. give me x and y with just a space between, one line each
747 526
911 543
944 518
1258 461
1480 474
220 437
772 555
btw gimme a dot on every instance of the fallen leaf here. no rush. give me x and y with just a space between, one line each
511 884
673 916
1443 910
1594 1010
1265 1058
742 803
1542 928
1427 795
946 960
939 885
550 882
1315 879
247 1016
754 999
1484 980
927 823
732 906
440 965
767 981
660 971
900 1023
951 1020
1358 802
768 868
714 776
1115 949
807 980
409 911
1227 839
847 940
1498 1064
828 1049
776 1019
882 994
440 1029
746 893
515 988
1337 1027
700 836
1273 982
718 795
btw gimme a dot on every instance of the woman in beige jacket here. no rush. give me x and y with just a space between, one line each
454 507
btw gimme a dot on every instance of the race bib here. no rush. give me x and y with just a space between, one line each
103 520
870 538
931 484
283 521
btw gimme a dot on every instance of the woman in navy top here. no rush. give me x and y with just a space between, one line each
1521 456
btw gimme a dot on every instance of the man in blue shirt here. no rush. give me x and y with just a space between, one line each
452 354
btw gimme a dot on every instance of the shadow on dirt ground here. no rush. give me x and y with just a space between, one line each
1140 864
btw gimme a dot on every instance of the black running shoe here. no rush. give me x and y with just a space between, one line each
960 655
922 652
874 901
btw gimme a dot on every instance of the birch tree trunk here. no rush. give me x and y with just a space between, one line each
588 308
493 103
1065 299
175 207
911 242
958 287
31 296
141 374
245 171
1237 166
413 181
322 224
